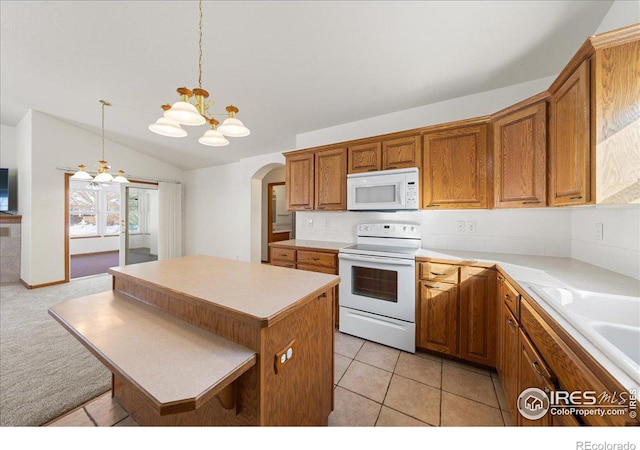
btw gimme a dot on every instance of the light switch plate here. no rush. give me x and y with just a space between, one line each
599 232
471 226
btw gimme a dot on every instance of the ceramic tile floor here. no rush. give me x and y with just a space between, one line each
376 386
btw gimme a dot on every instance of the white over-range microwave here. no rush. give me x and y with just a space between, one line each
384 190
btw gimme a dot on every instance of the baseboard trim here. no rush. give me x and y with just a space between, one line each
28 286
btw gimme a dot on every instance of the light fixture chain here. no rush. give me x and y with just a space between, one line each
200 47
103 103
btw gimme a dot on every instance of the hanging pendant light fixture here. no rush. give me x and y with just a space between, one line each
103 176
193 110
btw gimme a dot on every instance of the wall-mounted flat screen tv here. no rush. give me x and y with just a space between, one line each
4 190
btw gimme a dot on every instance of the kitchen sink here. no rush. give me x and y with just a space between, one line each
615 309
610 322
626 339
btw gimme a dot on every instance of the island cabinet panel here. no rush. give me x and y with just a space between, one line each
401 153
569 139
454 168
331 179
365 157
520 158
300 392
299 181
478 315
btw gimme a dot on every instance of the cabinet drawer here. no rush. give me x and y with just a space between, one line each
317 258
275 262
321 269
511 298
446 273
283 254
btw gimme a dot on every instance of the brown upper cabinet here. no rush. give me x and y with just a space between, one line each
454 168
365 157
331 179
569 138
520 158
397 153
299 170
401 153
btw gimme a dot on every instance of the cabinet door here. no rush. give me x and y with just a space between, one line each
454 169
520 158
478 315
331 179
365 157
510 358
533 374
400 153
438 317
299 181
569 133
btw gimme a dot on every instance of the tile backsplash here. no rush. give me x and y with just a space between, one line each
562 232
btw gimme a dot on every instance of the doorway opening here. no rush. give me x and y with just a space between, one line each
96 236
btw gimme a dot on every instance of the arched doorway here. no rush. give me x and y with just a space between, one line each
261 196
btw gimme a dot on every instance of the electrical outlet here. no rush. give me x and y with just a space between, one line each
599 232
471 226
309 223
460 226
284 356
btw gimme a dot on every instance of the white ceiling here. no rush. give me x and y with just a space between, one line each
291 67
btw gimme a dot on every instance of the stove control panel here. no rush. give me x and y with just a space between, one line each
389 229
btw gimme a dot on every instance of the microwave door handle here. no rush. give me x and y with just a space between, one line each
401 193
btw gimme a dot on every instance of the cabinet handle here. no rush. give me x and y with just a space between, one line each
438 274
531 203
536 367
391 167
500 278
431 287
307 207
433 206
323 295
319 207
576 198
372 170
512 323
314 259
282 254
507 297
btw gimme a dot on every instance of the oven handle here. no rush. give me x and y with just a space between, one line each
377 259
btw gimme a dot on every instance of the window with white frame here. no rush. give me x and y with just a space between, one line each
93 213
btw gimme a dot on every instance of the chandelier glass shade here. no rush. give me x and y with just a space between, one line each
103 176
193 110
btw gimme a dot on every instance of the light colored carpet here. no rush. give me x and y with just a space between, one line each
44 371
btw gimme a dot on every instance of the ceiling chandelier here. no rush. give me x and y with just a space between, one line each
193 110
103 177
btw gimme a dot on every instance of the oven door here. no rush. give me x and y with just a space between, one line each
379 285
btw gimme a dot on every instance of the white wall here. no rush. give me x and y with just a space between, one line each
223 206
23 162
621 14
55 143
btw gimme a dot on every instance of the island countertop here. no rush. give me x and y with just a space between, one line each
259 291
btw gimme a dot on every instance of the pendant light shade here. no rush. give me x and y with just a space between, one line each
104 177
185 114
213 138
234 128
81 175
120 178
167 127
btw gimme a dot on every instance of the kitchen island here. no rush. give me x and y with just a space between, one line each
201 340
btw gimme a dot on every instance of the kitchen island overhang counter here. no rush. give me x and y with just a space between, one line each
285 317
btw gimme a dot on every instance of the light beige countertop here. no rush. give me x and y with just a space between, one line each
176 365
545 270
313 245
259 291
568 274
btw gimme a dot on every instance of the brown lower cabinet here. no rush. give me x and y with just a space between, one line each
312 260
534 351
456 311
